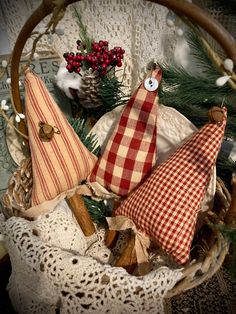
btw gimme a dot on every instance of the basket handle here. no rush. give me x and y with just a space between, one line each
181 7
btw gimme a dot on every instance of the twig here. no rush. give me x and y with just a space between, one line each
12 125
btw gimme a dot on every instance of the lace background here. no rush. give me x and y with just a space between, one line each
138 26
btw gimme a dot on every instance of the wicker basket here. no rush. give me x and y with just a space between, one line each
214 247
16 199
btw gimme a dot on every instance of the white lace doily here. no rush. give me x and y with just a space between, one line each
54 267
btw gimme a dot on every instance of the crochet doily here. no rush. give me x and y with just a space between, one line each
55 267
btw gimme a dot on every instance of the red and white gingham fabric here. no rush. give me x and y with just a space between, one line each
130 153
165 207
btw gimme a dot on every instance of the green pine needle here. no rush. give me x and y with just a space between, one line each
98 210
111 95
84 36
110 92
198 51
180 88
193 95
89 140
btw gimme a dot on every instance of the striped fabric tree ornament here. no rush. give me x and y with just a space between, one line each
130 153
166 205
59 159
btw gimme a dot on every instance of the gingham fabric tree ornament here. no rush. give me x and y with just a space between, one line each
166 205
130 153
59 159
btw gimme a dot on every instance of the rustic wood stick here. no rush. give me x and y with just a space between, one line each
112 235
82 216
128 258
230 217
111 238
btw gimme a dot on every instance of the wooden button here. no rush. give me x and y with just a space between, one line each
216 115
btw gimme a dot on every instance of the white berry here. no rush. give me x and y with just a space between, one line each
4 63
222 80
228 65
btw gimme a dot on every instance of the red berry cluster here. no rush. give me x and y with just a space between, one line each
99 59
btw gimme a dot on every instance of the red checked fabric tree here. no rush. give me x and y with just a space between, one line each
131 151
166 206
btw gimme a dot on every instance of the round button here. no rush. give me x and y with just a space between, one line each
151 84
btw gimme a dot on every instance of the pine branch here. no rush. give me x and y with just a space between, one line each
193 95
201 55
110 91
98 210
89 140
179 86
84 36
111 94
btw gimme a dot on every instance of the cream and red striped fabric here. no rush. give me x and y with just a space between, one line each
130 153
165 207
60 164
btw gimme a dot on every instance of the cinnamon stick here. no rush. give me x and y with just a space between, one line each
128 258
112 235
111 238
82 216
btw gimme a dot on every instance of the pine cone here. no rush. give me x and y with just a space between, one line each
17 198
88 92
